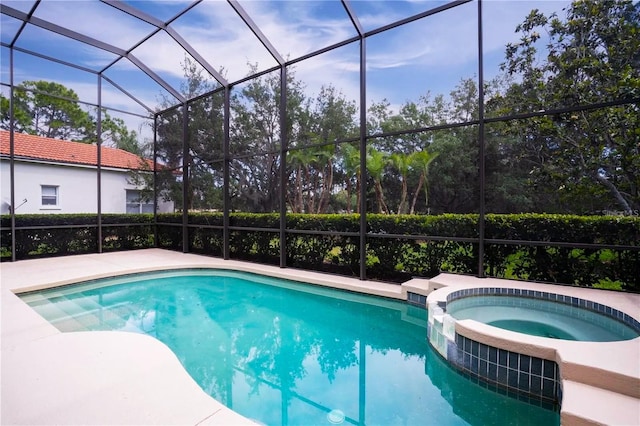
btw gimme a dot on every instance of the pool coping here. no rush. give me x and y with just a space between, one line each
37 359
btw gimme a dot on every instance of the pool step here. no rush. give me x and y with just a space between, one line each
63 306
79 314
587 405
58 318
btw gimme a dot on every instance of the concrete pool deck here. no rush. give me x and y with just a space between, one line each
49 377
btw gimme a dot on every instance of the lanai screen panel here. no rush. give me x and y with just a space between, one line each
8 28
162 10
221 37
95 19
326 90
299 28
170 173
206 150
374 14
54 78
5 73
413 78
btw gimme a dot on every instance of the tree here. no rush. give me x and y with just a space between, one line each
412 115
592 158
205 135
454 175
169 152
22 118
398 147
402 163
350 164
420 161
256 138
322 122
51 110
116 134
412 155
376 162
312 169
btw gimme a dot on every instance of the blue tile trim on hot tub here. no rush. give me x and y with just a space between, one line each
553 297
535 377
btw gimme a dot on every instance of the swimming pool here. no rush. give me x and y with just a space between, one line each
541 317
288 353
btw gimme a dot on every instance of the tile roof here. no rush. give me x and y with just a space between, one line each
61 151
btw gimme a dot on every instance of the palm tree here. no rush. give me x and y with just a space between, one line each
402 163
351 164
420 160
313 169
323 162
299 159
376 161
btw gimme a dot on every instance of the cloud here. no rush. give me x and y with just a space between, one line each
449 38
233 46
298 28
434 53
445 43
8 28
223 38
339 69
373 15
445 39
162 55
96 20
502 16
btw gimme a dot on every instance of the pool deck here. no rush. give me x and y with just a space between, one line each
107 378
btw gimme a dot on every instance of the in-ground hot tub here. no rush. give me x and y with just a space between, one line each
527 364
545 315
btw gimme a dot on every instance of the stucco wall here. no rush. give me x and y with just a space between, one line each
77 189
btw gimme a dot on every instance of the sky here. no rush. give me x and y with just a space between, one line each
429 55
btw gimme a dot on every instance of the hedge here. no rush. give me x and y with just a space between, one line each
397 247
67 234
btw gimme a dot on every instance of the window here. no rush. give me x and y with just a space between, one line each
136 204
49 195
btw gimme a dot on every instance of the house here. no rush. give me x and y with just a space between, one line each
58 176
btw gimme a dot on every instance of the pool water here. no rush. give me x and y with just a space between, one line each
535 328
285 353
540 317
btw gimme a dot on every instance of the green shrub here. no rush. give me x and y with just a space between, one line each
397 247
